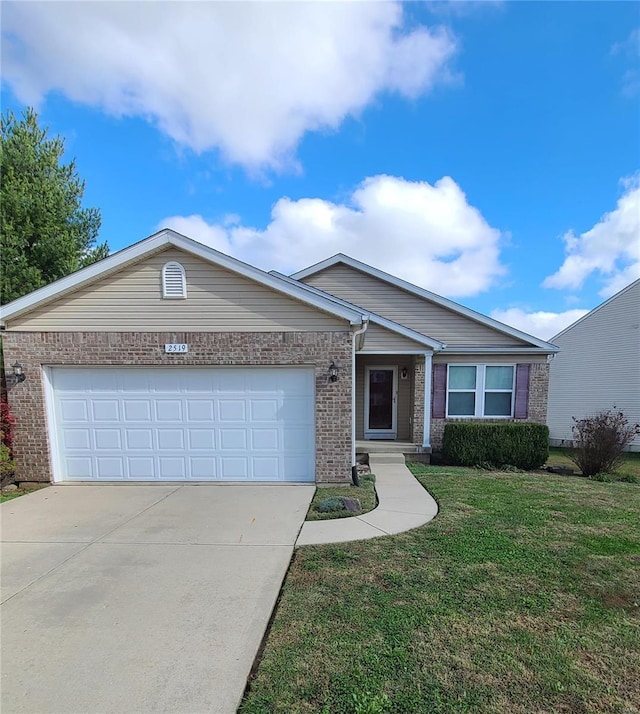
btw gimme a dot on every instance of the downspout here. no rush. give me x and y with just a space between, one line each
354 340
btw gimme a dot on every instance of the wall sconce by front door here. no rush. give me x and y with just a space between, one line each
404 373
333 372
18 374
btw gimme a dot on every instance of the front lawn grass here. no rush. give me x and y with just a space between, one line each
523 595
365 493
8 495
629 469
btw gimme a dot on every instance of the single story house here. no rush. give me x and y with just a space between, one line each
598 367
169 360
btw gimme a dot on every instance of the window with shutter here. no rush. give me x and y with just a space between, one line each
174 281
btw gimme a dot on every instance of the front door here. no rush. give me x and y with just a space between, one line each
380 402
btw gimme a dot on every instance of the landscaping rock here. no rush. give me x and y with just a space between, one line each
352 505
10 487
363 469
562 470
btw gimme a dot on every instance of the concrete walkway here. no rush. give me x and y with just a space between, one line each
403 504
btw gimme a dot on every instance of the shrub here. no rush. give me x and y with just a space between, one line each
520 445
6 464
599 441
328 505
6 420
7 467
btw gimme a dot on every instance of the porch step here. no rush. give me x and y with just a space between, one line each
387 447
389 458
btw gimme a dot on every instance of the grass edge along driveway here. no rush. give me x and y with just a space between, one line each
522 596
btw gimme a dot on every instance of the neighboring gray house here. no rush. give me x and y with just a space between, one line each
598 366
171 361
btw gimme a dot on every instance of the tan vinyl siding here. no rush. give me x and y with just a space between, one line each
404 391
598 366
218 301
409 310
378 338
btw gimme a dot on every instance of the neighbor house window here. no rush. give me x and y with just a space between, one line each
480 390
174 281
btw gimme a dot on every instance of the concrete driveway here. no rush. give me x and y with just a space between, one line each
140 598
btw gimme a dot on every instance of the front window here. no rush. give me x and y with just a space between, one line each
480 390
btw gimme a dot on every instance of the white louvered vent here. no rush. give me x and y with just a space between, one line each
174 281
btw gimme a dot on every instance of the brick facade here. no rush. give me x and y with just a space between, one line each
316 349
417 420
538 394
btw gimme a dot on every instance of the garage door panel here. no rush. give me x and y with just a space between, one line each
234 468
189 424
201 439
233 439
77 439
79 468
141 468
74 410
110 468
266 468
138 439
265 439
172 468
232 410
108 439
200 410
168 410
137 410
203 469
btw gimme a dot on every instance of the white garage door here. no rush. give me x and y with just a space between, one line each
221 424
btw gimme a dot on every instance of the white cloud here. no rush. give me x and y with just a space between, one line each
540 324
629 51
610 249
249 79
427 234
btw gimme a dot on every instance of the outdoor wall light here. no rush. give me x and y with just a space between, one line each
333 372
404 373
18 373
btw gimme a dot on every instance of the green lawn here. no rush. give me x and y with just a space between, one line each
8 495
365 493
522 596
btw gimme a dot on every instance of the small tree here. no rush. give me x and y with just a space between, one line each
45 233
599 441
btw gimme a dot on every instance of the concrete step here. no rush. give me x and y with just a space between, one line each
388 458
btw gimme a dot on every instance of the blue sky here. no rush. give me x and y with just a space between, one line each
489 152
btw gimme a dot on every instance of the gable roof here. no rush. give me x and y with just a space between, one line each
158 242
634 284
396 327
426 295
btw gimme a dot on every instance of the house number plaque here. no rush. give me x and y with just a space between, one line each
176 347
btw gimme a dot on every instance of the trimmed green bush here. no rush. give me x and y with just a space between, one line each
328 505
516 444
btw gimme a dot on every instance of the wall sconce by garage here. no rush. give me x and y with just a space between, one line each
19 375
404 373
333 372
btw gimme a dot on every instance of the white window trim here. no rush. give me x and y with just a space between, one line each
167 296
480 391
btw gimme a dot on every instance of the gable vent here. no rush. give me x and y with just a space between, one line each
174 281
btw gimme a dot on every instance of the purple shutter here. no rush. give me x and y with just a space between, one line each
439 391
521 409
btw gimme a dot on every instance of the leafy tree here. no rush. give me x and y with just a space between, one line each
45 233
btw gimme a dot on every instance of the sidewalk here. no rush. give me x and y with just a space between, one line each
403 504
